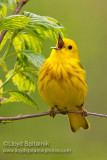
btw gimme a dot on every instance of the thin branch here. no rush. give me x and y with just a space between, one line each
17 10
2 35
45 114
20 5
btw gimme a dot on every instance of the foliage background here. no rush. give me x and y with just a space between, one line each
86 24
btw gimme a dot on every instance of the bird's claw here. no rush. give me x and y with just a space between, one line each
84 113
52 112
64 112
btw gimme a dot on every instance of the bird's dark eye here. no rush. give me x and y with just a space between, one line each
70 47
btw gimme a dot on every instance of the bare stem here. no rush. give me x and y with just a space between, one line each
17 10
45 114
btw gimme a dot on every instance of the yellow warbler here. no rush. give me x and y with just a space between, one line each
62 83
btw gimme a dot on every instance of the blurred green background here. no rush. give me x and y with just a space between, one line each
85 23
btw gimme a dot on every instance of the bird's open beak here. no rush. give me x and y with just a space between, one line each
60 44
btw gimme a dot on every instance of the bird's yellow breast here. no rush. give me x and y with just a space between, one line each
62 83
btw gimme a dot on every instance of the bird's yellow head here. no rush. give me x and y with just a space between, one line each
65 48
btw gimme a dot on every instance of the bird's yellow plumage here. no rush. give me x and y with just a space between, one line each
62 82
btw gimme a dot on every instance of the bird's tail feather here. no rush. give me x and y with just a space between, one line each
77 121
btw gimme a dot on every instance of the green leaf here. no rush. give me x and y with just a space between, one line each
24 82
5 122
3 10
9 3
18 96
3 65
12 3
9 74
1 90
27 41
34 58
25 60
7 35
43 26
13 22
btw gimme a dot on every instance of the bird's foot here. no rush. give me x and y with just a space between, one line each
84 113
64 111
52 112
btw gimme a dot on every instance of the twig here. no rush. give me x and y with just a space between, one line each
17 10
20 5
45 114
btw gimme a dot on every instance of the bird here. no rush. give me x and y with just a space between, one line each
62 83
